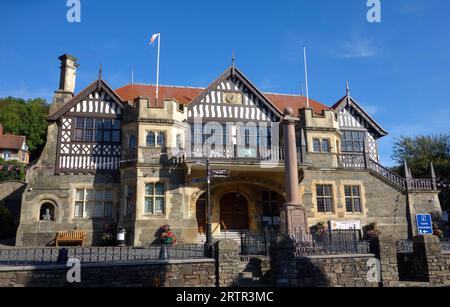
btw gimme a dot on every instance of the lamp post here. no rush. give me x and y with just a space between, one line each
208 205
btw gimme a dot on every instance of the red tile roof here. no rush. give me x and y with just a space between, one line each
8 141
185 95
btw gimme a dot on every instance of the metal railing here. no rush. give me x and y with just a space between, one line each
274 153
404 246
257 244
53 255
335 243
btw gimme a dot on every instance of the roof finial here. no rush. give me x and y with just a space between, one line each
100 72
233 59
348 88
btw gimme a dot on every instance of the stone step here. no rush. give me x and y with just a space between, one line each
413 284
246 275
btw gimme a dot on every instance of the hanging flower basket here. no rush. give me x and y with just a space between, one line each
166 236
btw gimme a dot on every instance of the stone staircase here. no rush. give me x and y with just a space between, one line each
229 235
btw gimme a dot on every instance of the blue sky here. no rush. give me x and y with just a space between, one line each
399 69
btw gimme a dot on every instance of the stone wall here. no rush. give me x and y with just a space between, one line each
176 273
432 265
334 271
227 262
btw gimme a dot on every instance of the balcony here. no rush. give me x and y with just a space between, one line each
355 161
273 154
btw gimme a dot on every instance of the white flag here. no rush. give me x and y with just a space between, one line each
154 37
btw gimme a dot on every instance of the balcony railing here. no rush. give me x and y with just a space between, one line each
361 161
269 154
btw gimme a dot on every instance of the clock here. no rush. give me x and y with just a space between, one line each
233 98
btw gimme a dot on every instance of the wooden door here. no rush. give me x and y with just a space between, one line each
234 212
201 215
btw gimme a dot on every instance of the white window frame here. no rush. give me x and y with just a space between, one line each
107 204
154 196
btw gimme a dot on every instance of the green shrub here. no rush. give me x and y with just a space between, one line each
16 173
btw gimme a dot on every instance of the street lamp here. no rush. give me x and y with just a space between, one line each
208 244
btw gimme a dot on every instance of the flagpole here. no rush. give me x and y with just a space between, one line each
306 77
157 70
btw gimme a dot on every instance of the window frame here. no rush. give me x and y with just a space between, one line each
352 198
97 130
325 197
316 142
106 203
156 139
154 197
357 143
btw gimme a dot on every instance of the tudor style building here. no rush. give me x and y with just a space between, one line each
120 158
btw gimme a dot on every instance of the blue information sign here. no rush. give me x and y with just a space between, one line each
424 224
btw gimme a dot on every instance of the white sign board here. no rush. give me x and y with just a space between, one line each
345 225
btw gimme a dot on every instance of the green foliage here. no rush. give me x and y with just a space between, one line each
13 174
26 118
7 227
419 152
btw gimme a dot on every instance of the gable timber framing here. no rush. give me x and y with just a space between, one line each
99 153
97 86
372 125
253 107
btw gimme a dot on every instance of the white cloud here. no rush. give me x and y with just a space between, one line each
358 47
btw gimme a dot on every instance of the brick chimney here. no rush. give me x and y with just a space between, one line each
68 73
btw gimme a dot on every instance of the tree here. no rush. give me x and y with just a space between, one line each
26 118
419 152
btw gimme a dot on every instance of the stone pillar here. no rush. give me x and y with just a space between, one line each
387 253
427 250
283 266
293 217
227 257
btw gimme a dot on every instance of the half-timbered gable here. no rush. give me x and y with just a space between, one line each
89 138
233 112
233 98
357 127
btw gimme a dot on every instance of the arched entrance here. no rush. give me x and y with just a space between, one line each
234 212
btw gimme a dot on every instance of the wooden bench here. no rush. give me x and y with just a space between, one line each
70 237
